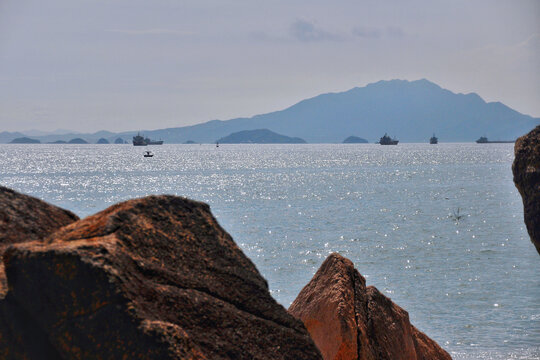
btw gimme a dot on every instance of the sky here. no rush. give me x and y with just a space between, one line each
88 65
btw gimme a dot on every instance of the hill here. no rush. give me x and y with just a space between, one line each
355 140
24 140
409 110
259 136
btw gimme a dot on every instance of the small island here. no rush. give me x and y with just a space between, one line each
259 136
355 140
120 141
77 141
190 142
24 140
103 141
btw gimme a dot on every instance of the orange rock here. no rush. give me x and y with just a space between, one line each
348 320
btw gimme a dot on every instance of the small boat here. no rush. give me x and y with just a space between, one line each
433 140
148 154
387 140
217 144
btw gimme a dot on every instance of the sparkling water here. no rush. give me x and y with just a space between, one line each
437 228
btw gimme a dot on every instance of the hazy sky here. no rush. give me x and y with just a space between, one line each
131 64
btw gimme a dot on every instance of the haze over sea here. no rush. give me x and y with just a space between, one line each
437 228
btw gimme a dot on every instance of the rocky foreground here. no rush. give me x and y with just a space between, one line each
348 320
526 169
158 278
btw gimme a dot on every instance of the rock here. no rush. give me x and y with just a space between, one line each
526 169
24 218
151 278
348 320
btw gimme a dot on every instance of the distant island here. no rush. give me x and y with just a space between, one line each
24 140
77 141
103 141
259 136
120 141
355 140
58 142
190 142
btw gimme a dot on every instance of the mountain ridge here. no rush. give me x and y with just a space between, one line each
409 110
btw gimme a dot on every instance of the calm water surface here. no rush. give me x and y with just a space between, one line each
437 228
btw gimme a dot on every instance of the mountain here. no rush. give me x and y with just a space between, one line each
6 136
259 136
411 111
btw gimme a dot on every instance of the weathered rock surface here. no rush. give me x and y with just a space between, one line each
526 169
348 320
152 278
24 218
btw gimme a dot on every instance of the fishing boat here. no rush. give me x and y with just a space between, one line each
148 154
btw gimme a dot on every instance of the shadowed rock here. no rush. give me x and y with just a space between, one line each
24 218
348 320
526 169
152 278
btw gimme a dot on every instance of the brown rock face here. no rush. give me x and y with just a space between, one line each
152 278
526 169
24 218
348 320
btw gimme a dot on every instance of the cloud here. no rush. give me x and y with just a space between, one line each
150 32
367 32
376 33
532 42
306 31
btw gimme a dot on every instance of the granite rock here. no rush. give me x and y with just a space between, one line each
150 278
349 320
526 169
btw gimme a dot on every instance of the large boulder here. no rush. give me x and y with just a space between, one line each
526 169
151 278
24 218
348 320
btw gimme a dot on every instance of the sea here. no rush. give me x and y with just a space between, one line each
437 228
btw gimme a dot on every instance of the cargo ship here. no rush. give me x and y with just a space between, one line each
433 140
484 140
139 140
387 140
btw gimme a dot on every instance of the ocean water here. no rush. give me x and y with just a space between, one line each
437 228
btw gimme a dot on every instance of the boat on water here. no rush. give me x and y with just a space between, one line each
387 140
148 154
484 140
433 140
139 140
217 144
